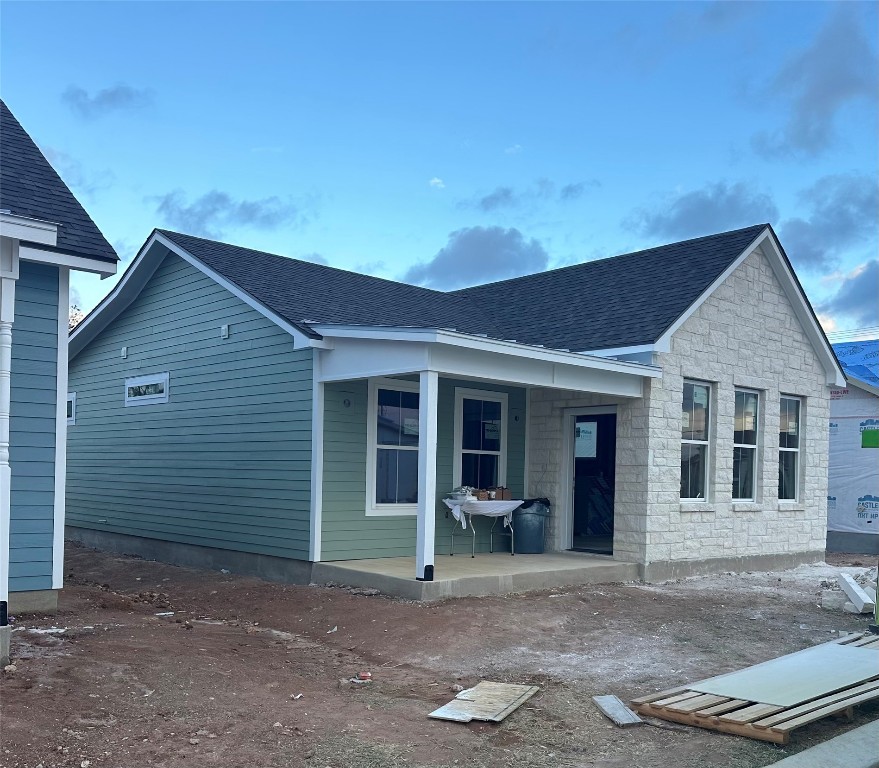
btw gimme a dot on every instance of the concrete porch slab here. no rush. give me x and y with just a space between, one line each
458 576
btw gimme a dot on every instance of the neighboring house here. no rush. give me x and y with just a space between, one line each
250 411
853 490
44 234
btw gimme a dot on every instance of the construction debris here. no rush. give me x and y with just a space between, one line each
768 701
616 710
485 701
856 595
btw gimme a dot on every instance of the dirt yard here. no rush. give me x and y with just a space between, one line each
165 666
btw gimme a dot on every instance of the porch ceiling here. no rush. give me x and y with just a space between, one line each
354 352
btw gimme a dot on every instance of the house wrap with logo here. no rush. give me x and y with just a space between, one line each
853 483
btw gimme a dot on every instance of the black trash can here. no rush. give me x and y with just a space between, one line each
529 523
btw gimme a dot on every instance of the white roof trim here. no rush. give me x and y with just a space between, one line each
792 290
28 228
80 263
618 351
484 344
148 259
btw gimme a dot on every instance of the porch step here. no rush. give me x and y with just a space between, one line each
462 576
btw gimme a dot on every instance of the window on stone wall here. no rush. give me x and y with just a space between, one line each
695 435
745 438
789 449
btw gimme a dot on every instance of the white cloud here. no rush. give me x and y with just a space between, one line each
437 183
514 149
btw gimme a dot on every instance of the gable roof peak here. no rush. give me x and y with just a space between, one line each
30 187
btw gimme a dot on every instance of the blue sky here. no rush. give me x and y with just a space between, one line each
455 143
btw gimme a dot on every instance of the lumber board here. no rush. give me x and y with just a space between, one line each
818 714
865 641
713 724
748 714
691 705
722 709
811 706
617 711
659 695
855 593
676 699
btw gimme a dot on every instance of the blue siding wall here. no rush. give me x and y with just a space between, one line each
226 462
32 427
347 533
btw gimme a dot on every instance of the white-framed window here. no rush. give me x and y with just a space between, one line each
147 390
480 458
71 407
745 441
789 440
695 440
392 448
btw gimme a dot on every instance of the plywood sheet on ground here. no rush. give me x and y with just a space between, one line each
797 677
485 701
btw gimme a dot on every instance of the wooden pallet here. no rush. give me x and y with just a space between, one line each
758 721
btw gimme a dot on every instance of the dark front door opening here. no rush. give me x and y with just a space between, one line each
595 442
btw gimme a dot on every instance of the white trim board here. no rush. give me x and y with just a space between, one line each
79 263
479 343
317 460
60 431
29 229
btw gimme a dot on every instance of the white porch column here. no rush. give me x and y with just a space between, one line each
8 276
427 432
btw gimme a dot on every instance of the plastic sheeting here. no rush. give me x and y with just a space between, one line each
853 490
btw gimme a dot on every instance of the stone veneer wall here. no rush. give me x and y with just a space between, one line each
744 335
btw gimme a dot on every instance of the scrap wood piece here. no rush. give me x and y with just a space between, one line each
857 595
616 710
485 701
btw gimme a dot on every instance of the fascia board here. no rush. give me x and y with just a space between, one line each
27 228
29 252
485 344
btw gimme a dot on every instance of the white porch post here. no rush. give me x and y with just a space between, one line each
8 276
427 432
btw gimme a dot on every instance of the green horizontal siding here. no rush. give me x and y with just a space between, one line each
226 463
347 533
32 427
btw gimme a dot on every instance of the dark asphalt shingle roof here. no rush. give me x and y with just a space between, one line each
303 292
616 302
621 301
29 186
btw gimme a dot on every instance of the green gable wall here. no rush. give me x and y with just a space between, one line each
347 533
32 427
226 462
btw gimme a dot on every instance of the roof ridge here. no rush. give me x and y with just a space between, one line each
640 252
